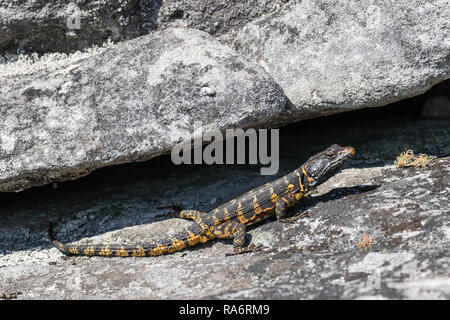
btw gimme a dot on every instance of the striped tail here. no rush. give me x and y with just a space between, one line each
187 238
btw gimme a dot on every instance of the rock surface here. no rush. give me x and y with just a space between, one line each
404 211
332 56
61 118
221 18
373 231
68 25
43 26
133 100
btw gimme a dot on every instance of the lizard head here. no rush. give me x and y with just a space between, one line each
320 167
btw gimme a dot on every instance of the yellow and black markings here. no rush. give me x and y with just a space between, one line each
229 220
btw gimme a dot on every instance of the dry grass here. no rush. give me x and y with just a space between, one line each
366 242
408 159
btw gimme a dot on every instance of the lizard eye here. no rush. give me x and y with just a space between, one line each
329 154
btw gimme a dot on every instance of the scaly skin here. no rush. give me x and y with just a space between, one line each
229 220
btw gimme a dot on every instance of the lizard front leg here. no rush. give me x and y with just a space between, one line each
280 208
177 211
283 203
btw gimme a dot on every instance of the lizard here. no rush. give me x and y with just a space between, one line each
230 220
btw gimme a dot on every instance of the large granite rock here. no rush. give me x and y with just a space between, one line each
405 212
69 25
333 56
62 118
52 26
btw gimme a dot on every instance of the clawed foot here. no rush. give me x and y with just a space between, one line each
294 218
288 220
251 248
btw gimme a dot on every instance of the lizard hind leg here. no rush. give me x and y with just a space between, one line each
235 230
191 214
239 241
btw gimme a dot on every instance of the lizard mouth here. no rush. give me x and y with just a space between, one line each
350 151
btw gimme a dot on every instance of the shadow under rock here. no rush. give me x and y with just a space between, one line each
334 194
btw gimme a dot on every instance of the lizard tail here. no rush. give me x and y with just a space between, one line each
185 239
